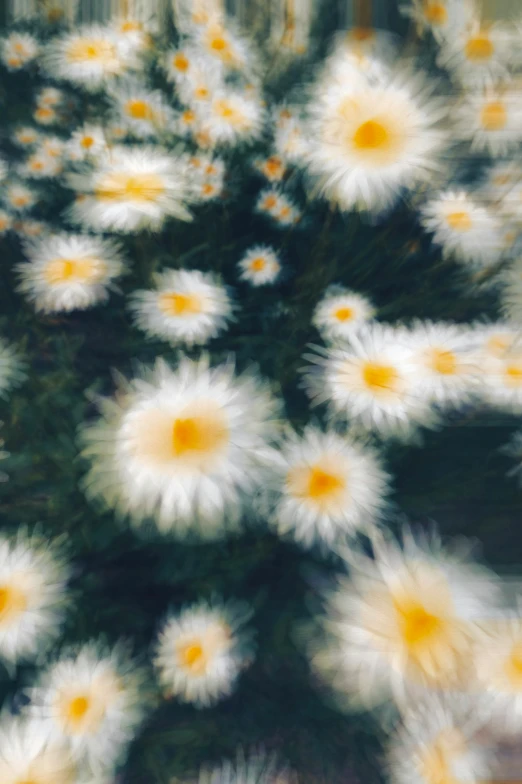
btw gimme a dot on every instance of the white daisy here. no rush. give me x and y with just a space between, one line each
360 51
492 120
260 265
497 669
464 229
19 197
190 14
447 370
340 312
500 356
198 85
49 96
231 116
479 54
326 487
86 143
184 447
179 63
438 741
441 17
133 189
402 623
32 597
18 50
69 272
273 168
39 166
25 136
52 146
46 115
202 650
278 207
143 111
186 306
369 141
90 700
373 381
225 46
91 57
208 174
29 753
132 33
6 222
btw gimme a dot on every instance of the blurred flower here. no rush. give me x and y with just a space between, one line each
260 265
341 312
18 50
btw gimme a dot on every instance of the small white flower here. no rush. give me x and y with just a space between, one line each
326 487
90 700
18 50
69 272
278 207
49 96
52 146
143 111
132 33
341 312
479 54
32 597
226 47
184 447
273 168
463 228
231 116
442 17
25 136
499 352
46 115
260 265
186 306
19 197
492 120
40 166
132 189
202 650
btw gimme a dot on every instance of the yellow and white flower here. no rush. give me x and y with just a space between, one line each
49 96
90 700
132 33
464 229
202 650
87 143
402 623
273 168
497 669
369 141
260 265
68 272
32 596
186 306
499 356
39 166
29 753
479 54
447 370
20 197
132 189
52 146
440 17
25 136
143 111
183 447
327 487
372 381
340 312
277 206
225 46
199 84
6 222
92 57
438 741
291 142
192 14
18 50
492 120
231 116
46 115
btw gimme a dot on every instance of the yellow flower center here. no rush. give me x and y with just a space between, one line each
371 135
344 314
139 110
273 166
85 270
228 112
444 362
87 142
494 116
90 49
416 624
435 13
257 265
192 656
380 378
513 667
197 434
479 47
218 44
44 113
514 375
77 708
36 165
459 221
20 201
188 117
201 92
12 603
269 203
435 762
318 484
180 62
323 483
130 187
180 304
498 344
208 189
131 26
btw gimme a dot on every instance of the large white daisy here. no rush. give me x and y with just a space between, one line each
30 754
479 54
32 597
90 700
463 228
326 487
372 381
182 446
369 141
69 271
402 623
132 189
91 57
202 650
186 306
341 312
